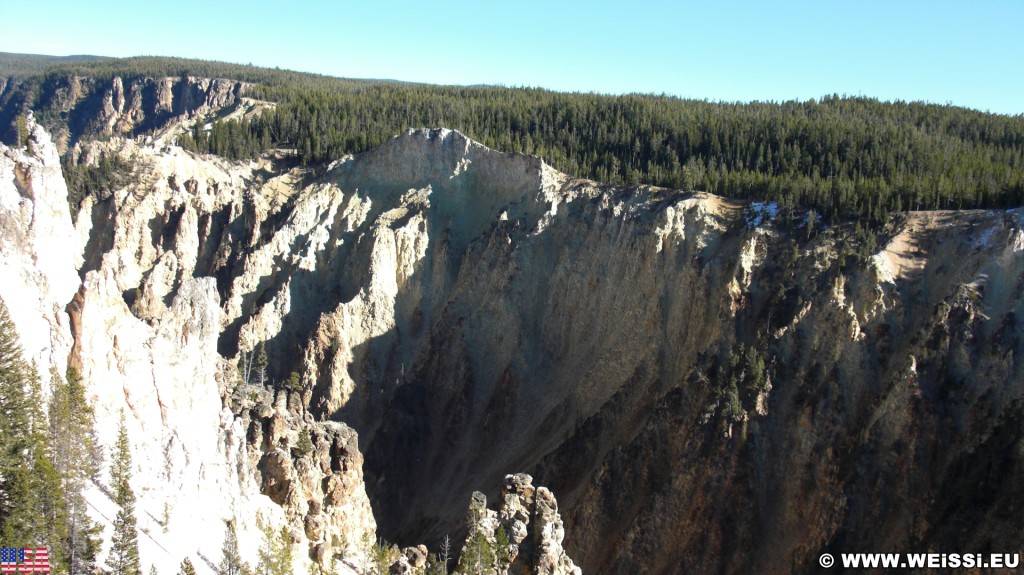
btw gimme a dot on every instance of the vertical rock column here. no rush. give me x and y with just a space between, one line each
533 532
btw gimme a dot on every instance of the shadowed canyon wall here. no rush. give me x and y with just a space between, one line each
708 386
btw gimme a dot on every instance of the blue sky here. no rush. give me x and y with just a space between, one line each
964 53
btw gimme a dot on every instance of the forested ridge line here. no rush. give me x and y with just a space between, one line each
846 157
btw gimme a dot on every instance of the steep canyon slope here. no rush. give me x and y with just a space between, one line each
708 386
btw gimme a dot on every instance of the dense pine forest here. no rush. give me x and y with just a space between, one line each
47 458
847 158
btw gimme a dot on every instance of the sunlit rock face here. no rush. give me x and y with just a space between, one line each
120 298
705 385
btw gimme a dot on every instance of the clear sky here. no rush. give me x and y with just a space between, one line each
968 53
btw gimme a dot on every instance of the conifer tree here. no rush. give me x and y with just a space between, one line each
30 489
261 366
124 551
436 566
186 567
76 461
275 553
22 129
305 445
231 560
13 425
47 506
477 555
501 546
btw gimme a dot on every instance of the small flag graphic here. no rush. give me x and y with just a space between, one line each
10 557
24 560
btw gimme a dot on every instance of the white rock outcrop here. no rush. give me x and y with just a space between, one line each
126 305
40 251
523 536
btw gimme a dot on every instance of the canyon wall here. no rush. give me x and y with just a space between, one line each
709 386
74 108
207 450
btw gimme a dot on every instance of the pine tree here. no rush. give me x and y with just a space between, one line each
30 490
13 429
501 546
305 445
261 366
124 551
22 130
254 366
231 560
186 567
76 461
275 553
436 566
47 486
477 555
380 557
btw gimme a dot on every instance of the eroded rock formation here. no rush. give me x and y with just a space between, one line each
707 387
81 107
526 532
118 298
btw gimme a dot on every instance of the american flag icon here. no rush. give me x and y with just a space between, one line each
24 560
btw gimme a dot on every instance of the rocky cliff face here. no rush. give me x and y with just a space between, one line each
707 386
117 297
76 107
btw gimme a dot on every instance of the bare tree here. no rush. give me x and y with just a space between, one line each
446 551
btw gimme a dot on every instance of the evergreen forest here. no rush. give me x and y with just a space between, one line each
848 158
